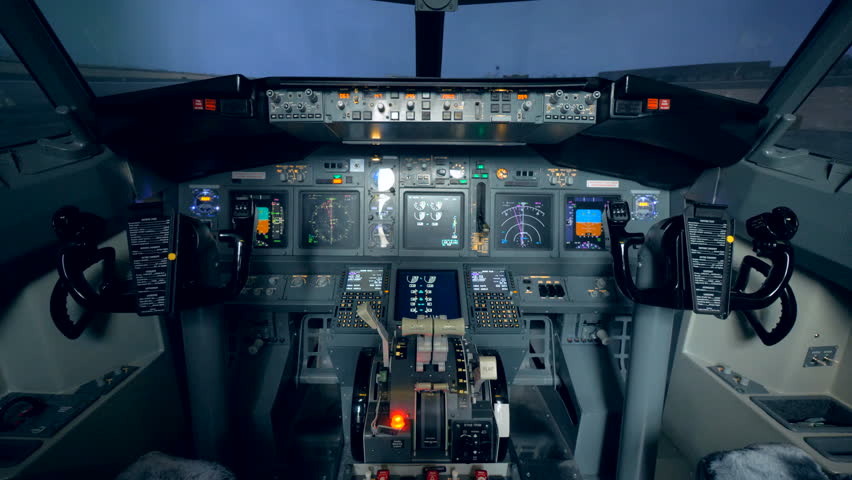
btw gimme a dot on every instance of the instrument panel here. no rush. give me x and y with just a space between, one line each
565 104
421 202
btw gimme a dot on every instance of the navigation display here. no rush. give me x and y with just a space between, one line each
434 221
491 280
330 220
364 280
523 221
427 292
270 211
584 222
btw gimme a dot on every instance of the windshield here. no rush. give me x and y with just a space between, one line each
143 41
25 112
728 47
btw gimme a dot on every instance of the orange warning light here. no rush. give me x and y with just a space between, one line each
653 103
397 421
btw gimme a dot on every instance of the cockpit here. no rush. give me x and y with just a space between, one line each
426 239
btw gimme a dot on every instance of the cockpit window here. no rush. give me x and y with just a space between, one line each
824 123
25 112
127 46
727 47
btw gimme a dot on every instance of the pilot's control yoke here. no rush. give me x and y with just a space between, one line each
173 259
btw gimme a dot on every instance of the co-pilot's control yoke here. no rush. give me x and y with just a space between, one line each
685 263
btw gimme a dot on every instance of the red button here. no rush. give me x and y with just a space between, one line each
210 104
665 104
197 104
383 475
480 475
653 103
432 475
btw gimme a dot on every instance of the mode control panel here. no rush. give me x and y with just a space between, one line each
295 105
401 104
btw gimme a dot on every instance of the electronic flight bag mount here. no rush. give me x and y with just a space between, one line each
174 261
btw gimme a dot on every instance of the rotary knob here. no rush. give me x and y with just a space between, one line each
564 109
446 105
381 107
310 95
590 99
410 105
528 105
300 107
579 108
341 105
286 107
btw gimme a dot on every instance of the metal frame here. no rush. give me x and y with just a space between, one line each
37 47
829 38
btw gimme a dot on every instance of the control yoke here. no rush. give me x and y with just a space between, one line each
173 259
697 247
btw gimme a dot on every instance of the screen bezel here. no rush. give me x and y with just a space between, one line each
357 226
288 216
604 230
495 217
462 220
403 271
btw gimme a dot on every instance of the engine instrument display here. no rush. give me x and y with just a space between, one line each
427 292
584 218
524 221
330 220
364 280
489 280
270 210
434 221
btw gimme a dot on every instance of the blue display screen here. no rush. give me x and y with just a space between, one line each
584 215
427 292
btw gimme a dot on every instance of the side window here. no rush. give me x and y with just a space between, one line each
824 125
25 112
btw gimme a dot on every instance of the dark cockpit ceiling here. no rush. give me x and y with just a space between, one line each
225 123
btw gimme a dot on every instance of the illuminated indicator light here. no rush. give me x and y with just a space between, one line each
210 104
665 104
653 103
480 167
644 204
523 96
337 176
475 175
397 421
197 104
448 96
205 198
730 238
337 181
410 95
377 95
463 181
343 95
484 175
172 256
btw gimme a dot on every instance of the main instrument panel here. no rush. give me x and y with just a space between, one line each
503 232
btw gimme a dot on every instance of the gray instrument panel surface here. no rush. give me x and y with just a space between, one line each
300 279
